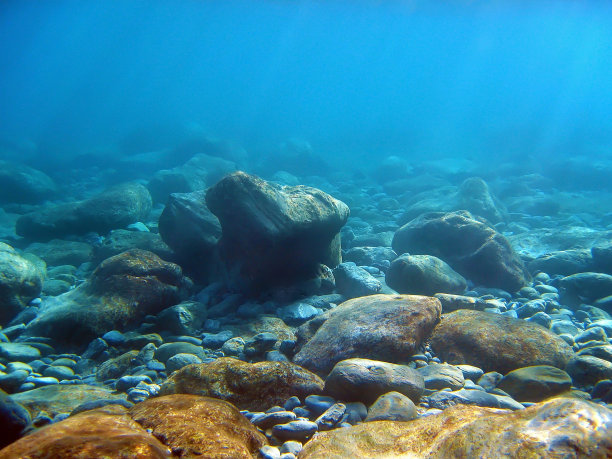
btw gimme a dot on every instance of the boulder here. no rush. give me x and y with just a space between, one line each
469 246
121 240
188 227
585 287
23 184
114 208
200 172
423 275
365 380
120 292
194 426
535 383
274 235
497 343
251 386
558 428
58 252
564 262
587 370
378 327
474 196
21 281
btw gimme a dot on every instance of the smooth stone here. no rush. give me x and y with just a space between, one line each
440 376
59 372
392 406
423 275
178 361
470 372
353 281
295 430
11 382
444 399
18 352
318 404
167 350
587 370
331 416
267 420
535 383
14 419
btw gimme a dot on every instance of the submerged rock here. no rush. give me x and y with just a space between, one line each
121 291
558 428
535 383
423 275
378 327
194 426
23 184
114 208
21 281
497 343
104 432
274 235
469 246
121 240
58 252
252 386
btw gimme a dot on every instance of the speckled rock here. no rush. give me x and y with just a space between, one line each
114 208
470 247
483 339
104 432
119 293
365 380
556 429
423 275
20 281
194 426
535 383
378 327
252 386
273 235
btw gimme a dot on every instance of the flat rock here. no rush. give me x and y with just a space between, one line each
558 428
423 275
273 235
535 383
62 398
114 208
379 327
21 281
365 380
470 247
194 426
252 386
121 291
483 339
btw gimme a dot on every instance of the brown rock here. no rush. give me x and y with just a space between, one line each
559 428
120 292
194 426
251 386
378 327
103 433
497 343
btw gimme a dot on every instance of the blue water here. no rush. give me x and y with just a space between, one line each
355 79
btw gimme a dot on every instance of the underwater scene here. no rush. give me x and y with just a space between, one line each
305 229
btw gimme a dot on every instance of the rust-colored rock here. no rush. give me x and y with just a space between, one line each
377 327
497 343
560 428
194 426
251 386
103 433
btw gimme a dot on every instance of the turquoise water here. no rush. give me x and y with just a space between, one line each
354 79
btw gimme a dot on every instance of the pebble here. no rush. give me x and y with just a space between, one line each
291 447
269 452
267 420
126 382
178 361
19 352
292 403
318 404
331 416
60 372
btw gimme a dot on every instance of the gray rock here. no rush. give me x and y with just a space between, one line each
60 372
21 281
587 370
183 319
58 252
585 287
11 382
536 383
441 376
392 406
365 380
167 350
470 247
18 352
298 313
444 399
353 281
274 235
267 420
470 372
178 361
114 208
331 417
295 430
379 257
423 275
564 262
120 240
490 380
23 184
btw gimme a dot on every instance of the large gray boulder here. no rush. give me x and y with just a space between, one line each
469 246
114 208
272 234
20 282
423 275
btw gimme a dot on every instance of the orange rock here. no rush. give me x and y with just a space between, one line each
103 433
559 428
194 426
252 386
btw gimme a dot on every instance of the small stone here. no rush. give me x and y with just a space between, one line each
295 430
60 372
126 382
12 381
292 403
291 446
331 416
392 406
178 361
18 352
267 420
535 383
440 375
269 452
233 346
490 380
317 404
